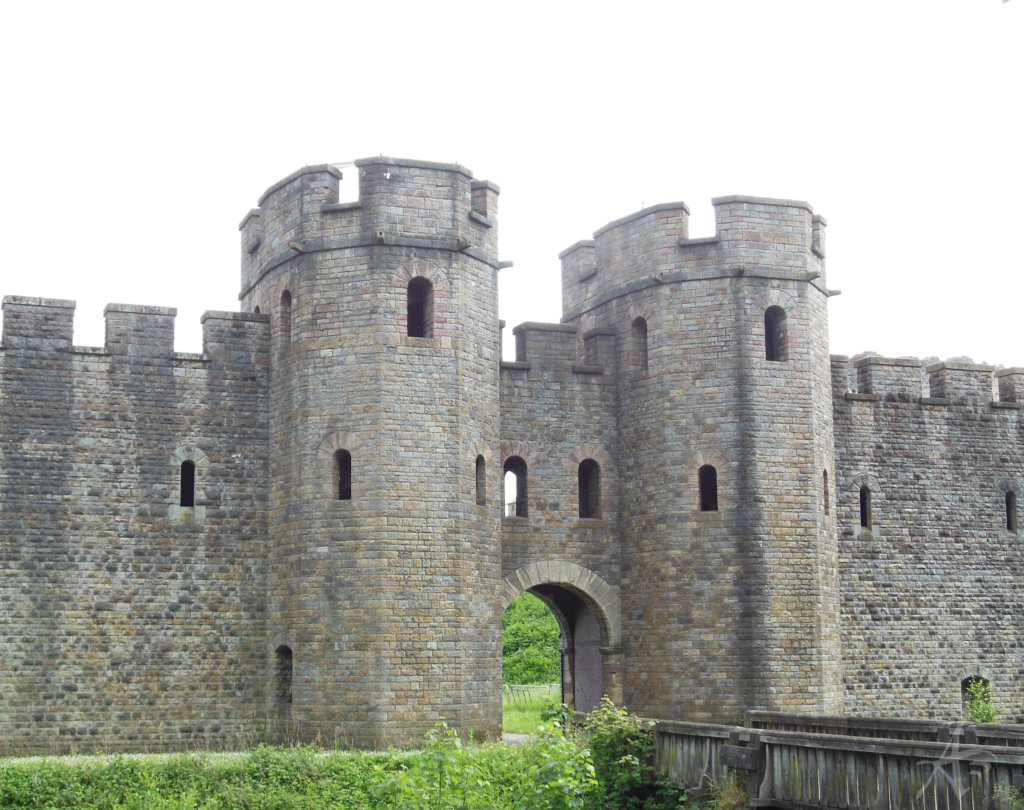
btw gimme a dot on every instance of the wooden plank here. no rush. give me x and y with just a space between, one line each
828 778
894 774
862 766
798 764
712 767
917 781
818 781
933 778
943 785
877 785
764 791
804 760
778 770
978 780
782 790
849 799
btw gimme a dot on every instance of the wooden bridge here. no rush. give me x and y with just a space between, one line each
811 761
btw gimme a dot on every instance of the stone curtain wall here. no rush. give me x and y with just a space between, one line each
931 592
128 621
556 413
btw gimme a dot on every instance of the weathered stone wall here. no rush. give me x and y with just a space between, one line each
127 621
387 600
931 590
342 570
732 607
557 413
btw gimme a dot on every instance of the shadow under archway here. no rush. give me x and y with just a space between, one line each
579 646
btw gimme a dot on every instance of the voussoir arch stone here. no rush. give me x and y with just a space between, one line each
778 298
563 572
329 445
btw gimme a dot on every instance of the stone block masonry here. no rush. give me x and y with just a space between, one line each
304 533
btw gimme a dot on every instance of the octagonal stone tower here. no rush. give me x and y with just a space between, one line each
730 584
384 554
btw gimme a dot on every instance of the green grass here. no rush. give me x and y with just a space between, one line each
521 708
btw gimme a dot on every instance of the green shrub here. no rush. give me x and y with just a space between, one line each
554 771
978 702
1008 798
622 747
554 712
550 773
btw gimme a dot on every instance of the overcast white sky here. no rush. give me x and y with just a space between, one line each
136 136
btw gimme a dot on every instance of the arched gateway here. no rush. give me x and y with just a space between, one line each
589 615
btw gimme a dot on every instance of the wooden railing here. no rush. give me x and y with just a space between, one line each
890 728
691 753
887 728
807 769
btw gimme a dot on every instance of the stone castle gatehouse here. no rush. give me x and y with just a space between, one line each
301 532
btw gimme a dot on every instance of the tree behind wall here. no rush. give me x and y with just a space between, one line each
530 642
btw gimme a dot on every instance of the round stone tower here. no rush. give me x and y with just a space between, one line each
383 530
729 556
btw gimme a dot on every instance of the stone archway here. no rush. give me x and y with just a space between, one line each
589 614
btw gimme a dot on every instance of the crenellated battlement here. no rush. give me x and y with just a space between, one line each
40 323
548 345
559 347
137 333
401 202
913 380
754 236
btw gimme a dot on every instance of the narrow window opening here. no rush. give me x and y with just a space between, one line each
590 489
256 311
343 474
824 488
640 344
775 334
1011 512
420 308
481 481
865 507
515 487
286 317
282 685
708 479
188 484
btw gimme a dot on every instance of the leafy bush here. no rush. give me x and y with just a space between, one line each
554 771
551 773
559 774
978 701
554 712
1008 798
622 746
